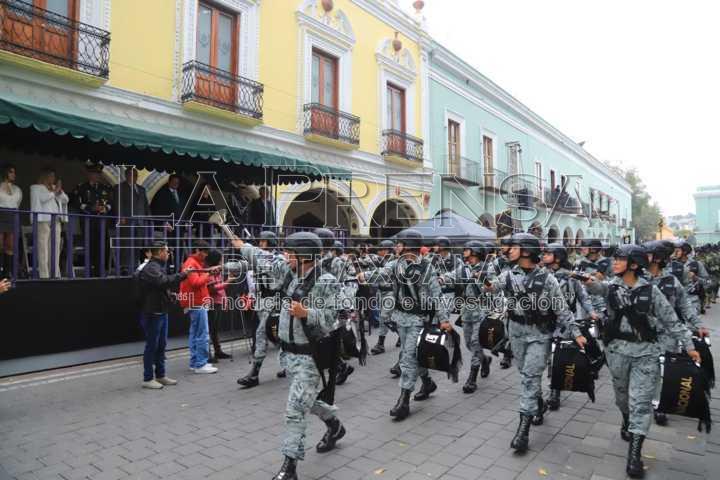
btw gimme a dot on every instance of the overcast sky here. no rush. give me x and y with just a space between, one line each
638 80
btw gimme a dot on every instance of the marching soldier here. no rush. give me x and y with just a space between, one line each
415 285
268 302
696 274
555 258
500 264
637 313
385 289
658 252
591 262
535 306
310 316
467 281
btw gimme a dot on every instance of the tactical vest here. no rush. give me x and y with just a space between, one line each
410 297
635 306
534 287
567 290
467 278
678 269
667 287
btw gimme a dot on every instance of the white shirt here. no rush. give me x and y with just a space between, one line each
43 200
10 200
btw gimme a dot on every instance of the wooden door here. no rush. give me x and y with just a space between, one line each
454 148
396 119
48 36
325 120
489 162
216 51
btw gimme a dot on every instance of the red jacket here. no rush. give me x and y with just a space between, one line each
193 290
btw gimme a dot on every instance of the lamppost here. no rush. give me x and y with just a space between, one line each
661 224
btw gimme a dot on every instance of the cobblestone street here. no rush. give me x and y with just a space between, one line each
95 422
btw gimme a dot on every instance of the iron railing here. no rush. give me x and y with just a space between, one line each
330 123
494 179
395 142
49 37
463 170
100 246
218 88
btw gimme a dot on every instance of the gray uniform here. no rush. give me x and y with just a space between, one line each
634 365
409 324
267 285
385 293
530 342
474 312
602 265
305 380
576 296
678 298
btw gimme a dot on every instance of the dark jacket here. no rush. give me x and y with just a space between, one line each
131 202
155 287
262 212
164 203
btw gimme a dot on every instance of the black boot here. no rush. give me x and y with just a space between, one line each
540 417
553 401
471 384
485 370
635 467
395 370
252 379
661 419
335 431
506 362
397 344
521 440
428 387
344 371
379 347
287 471
220 354
401 410
281 374
624 434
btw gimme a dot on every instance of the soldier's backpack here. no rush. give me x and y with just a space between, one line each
702 345
492 333
439 350
571 369
684 389
272 324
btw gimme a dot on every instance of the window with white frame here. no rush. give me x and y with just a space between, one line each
397 81
455 126
538 179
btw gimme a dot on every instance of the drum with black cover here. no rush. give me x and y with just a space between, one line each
440 350
684 389
272 324
571 369
492 332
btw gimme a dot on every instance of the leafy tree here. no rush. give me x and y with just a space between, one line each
645 212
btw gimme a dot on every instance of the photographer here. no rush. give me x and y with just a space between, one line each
155 301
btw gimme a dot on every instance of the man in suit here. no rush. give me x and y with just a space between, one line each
169 200
131 205
262 210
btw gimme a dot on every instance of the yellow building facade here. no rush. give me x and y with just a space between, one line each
333 83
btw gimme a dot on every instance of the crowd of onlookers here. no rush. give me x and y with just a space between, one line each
111 210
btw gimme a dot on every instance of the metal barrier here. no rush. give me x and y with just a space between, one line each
75 245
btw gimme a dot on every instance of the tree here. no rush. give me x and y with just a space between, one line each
645 212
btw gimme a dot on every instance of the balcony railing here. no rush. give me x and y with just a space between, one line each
49 37
463 170
623 223
100 246
563 201
400 144
494 179
224 90
326 122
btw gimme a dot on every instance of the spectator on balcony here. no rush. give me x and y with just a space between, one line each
48 199
169 200
262 209
131 205
94 198
10 198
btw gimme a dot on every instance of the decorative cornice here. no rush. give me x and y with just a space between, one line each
393 16
400 64
347 40
444 58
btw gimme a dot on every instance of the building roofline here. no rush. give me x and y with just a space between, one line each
442 55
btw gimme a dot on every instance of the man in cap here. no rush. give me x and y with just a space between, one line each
536 306
268 301
385 292
415 284
637 313
315 295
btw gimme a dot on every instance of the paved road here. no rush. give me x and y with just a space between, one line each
96 423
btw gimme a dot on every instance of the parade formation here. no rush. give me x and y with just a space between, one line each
637 311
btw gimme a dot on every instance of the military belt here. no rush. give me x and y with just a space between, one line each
296 348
